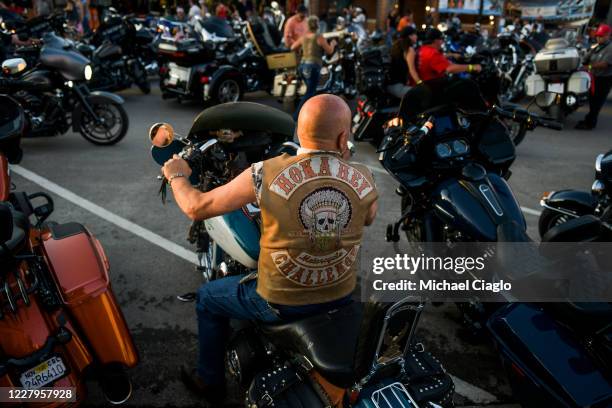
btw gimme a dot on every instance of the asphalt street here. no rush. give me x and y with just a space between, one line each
146 277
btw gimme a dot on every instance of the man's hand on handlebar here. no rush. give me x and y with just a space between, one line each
176 165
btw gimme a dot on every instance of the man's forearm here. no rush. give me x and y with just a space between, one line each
190 200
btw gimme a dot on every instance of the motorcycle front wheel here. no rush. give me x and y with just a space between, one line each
112 125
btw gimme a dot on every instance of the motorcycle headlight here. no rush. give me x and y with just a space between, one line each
88 72
460 147
443 150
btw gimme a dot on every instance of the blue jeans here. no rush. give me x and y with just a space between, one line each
224 299
311 73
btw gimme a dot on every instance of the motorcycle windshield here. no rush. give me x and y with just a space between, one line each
245 116
457 92
70 64
218 26
52 40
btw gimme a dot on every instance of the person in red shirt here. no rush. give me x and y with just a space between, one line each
432 64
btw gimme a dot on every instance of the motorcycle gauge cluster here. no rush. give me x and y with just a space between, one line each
453 148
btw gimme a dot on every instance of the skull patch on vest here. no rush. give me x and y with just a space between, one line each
325 214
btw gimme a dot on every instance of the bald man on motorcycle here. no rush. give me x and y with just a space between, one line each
314 207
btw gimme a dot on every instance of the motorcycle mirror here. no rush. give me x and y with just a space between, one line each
545 99
14 66
161 134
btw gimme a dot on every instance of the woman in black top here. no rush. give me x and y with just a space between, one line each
404 74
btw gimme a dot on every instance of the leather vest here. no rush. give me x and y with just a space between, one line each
313 211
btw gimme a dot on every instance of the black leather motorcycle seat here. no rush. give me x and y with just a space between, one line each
512 232
328 340
18 238
585 228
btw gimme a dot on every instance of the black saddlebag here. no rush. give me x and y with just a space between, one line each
427 381
282 387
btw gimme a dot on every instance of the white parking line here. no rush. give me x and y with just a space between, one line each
114 219
526 210
463 388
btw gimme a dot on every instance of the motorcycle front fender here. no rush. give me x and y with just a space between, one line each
91 98
577 202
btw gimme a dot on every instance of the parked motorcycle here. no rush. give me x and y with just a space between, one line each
300 363
558 76
55 95
193 61
59 321
449 160
562 206
558 354
375 106
121 55
452 171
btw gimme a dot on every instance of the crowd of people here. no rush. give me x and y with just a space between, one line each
412 61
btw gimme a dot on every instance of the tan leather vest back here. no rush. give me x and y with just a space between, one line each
313 211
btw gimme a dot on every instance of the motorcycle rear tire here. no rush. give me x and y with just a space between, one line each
124 125
557 113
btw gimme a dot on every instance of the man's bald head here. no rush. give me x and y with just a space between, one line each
324 123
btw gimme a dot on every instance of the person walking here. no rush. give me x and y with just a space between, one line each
296 26
313 45
599 63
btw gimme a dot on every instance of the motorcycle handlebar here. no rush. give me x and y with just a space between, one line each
524 116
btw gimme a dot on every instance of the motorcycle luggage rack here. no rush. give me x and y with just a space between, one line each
393 395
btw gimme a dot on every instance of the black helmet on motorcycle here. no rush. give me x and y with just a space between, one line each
12 127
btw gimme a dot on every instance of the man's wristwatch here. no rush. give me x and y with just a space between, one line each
175 175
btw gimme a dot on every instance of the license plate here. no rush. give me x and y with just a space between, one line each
46 372
556 88
356 118
176 74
